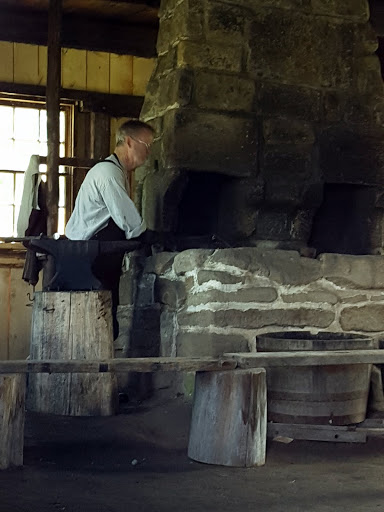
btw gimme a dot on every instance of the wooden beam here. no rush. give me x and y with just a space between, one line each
81 163
115 105
148 3
81 32
306 358
331 433
141 365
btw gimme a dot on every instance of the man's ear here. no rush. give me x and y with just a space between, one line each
128 140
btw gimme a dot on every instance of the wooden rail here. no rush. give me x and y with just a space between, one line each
306 358
186 364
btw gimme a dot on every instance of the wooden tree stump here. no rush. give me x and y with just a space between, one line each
229 418
12 413
72 325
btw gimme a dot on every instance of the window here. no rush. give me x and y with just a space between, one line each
23 132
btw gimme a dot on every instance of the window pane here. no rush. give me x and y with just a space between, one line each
62 185
23 150
43 149
62 126
26 123
6 125
19 187
6 188
6 155
6 220
61 220
43 126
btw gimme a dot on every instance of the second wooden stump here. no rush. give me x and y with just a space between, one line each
229 418
72 325
12 406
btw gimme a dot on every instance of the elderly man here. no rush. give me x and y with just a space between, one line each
103 209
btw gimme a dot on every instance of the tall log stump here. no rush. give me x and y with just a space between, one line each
229 418
72 325
12 413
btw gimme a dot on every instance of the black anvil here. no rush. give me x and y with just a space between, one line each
73 260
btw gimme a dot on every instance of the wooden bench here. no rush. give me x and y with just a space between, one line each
242 374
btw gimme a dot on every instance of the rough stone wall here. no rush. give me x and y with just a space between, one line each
206 302
284 95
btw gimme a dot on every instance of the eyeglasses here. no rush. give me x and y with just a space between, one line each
148 146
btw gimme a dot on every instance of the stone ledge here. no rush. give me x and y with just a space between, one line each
256 318
261 294
208 344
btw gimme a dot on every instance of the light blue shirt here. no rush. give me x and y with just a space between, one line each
104 194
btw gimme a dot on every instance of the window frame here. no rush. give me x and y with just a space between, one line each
38 102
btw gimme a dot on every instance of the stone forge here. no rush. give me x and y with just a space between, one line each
269 120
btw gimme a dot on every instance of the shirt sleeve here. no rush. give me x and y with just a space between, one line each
121 207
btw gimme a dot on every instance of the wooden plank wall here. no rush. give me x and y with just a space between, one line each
81 69
15 312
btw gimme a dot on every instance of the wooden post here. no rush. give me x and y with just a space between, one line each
12 407
72 325
229 418
53 112
53 126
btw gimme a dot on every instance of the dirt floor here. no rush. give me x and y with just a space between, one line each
137 461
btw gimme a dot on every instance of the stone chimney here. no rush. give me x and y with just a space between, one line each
269 120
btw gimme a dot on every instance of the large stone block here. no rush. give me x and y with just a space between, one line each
166 62
354 9
171 293
159 263
311 296
359 272
243 295
226 22
288 131
274 224
369 318
293 102
184 21
286 171
222 91
190 344
368 75
283 267
258 318
210 142
348 156
296 48
172 89
146 318
210 56
204 276
168 331
190 260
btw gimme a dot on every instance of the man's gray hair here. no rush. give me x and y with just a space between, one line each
132 127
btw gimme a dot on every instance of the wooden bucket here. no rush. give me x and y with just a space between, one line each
319 395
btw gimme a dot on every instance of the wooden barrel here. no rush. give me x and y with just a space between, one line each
318 395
